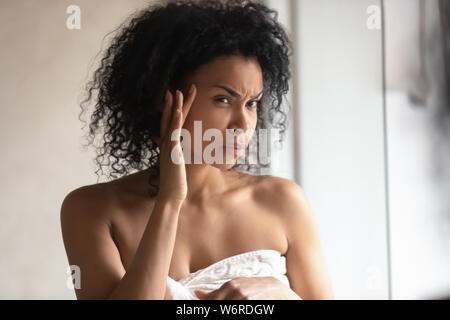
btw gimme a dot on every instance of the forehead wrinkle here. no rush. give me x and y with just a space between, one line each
234 93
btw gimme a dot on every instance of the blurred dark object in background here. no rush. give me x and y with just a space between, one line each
444 11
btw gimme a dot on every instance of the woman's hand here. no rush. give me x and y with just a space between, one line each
173 184
250 288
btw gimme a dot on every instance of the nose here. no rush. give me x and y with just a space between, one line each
240 124
241 119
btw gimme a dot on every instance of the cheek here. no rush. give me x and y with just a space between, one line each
202 125
208 119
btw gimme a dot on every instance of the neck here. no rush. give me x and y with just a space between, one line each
204 181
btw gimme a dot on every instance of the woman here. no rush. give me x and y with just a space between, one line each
204 231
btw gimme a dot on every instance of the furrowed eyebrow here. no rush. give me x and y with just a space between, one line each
234 93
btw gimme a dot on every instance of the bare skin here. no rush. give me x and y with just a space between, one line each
221 212
207 232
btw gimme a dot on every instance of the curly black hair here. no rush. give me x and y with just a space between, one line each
157 49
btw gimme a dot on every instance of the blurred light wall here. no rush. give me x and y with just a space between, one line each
378 183
43 67
418 121
338 138
334 146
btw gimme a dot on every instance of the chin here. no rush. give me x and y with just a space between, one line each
227 160
224 166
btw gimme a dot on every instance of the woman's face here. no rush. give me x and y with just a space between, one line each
228 91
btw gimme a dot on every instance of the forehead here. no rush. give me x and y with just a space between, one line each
244 75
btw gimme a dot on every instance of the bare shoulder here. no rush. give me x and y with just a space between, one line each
280 193
87 235
89 202
286 199
305 264
107 201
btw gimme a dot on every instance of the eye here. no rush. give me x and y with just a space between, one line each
256 102
220 99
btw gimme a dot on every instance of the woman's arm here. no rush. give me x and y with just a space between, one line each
306 268
89 245
87 236
147 275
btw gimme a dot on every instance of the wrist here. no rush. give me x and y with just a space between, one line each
168 202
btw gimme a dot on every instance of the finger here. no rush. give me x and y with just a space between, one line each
165 118
188 104
175 107
212 295
235 295
221 293
177 117
230 291
203 295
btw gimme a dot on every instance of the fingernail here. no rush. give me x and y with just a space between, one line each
191 89
167 95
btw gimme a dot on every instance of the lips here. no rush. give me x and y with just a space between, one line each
236 146
236 149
